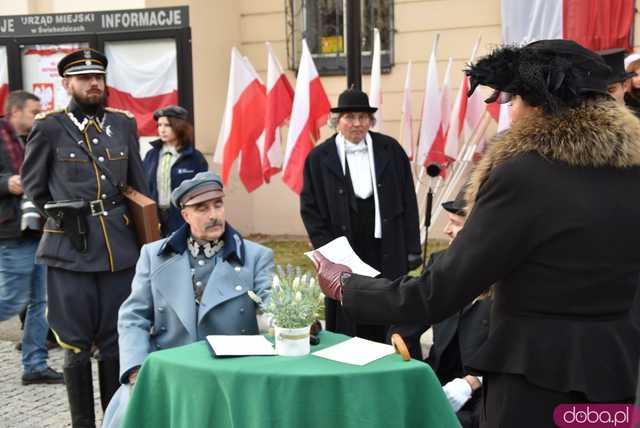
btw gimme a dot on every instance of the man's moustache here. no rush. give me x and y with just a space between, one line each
213 223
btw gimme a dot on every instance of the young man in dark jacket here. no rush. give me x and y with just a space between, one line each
22 282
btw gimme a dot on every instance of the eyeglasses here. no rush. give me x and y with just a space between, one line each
360 117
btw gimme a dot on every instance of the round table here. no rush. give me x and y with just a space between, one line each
186 387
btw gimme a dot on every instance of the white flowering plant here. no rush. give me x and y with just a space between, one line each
295 298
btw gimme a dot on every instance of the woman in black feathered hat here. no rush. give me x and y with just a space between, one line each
551 224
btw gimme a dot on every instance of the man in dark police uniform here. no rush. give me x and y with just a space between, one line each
76 164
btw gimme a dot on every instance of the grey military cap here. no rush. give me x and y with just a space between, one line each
203 187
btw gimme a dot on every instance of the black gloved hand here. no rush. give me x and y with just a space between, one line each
414 261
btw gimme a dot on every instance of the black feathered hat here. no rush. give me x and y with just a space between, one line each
552 74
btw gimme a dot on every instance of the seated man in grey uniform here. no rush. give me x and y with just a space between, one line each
189 285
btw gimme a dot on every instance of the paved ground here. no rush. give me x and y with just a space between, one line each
33 406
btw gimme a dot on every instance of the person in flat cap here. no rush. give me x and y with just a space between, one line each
191 284
619 79
542 206
78 161
358 183
172 159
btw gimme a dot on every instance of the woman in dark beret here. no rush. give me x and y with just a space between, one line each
553 223
172 159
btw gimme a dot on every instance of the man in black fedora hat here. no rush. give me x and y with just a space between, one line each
77 162
619 79
359 184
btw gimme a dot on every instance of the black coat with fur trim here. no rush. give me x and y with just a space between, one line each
553 223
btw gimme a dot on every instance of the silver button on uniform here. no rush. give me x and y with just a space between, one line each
72 155
103 177
101 159
95 141
238 287
201 262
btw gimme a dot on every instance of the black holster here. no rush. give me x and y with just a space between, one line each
71 216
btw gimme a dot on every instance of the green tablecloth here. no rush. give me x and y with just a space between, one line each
186 387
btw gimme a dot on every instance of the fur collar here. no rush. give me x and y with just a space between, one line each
597 134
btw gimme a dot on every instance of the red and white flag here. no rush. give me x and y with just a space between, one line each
431 120
476 108
595 24
243 120
310 112
250 168
452 146
406 118
4 78
458 114
142 80
278 111
375 87
446 97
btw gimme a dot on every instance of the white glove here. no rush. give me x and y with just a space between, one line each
458 392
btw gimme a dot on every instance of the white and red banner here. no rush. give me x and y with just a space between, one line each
40 73
4 78
277 113
431 137
446 97
243 119
375 86
595 24
310 112
452 145
142 76
406 117
250 168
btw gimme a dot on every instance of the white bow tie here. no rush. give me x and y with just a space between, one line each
350 148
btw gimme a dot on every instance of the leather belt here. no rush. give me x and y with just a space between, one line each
101 206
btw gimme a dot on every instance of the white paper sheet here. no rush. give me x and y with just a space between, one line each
240 345
339 251
356 351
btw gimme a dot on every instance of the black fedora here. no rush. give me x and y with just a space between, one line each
615 59
353 100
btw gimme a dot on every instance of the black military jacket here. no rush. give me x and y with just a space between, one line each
56 168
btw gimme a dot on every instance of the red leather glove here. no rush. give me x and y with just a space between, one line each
329 274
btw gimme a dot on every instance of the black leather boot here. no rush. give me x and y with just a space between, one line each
108 374
80 392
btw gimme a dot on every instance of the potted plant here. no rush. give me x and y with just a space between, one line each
293 306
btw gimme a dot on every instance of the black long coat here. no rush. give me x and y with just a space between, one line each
324 203
554 224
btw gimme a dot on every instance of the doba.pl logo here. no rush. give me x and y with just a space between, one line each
596 415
